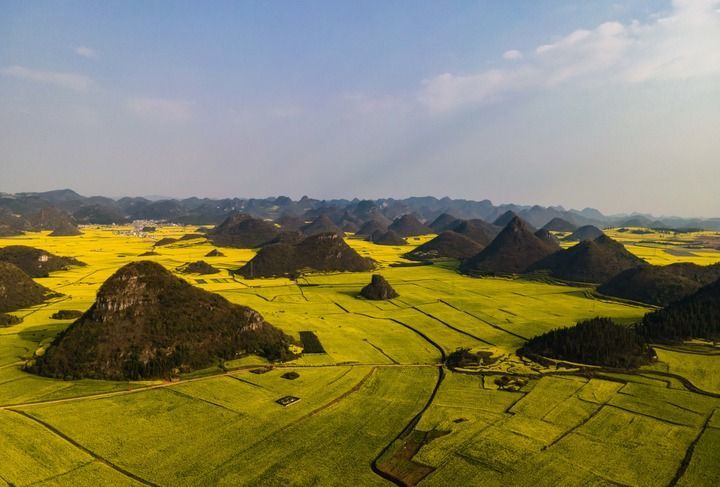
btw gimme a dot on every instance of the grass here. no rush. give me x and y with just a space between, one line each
377 373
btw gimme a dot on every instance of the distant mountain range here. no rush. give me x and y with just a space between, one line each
103 210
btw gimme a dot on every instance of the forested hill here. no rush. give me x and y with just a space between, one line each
695 316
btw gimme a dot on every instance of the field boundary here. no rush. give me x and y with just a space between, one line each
405 432
484 321
77 445
689 453
454 328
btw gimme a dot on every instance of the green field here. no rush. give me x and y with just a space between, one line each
377 401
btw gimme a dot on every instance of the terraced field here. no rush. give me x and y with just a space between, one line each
377 406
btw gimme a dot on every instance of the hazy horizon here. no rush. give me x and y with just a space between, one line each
613 106
153 197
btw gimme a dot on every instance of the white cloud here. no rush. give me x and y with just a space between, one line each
512 55
684 45
86 52
448 92
71 81
163 110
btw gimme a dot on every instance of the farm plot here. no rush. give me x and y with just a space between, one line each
213 430
569 429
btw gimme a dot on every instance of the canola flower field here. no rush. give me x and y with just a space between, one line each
377 404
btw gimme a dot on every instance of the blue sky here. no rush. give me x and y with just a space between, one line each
607 104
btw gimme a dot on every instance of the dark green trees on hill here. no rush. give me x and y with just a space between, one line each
242 231
148 324
589 261
660 285
447 244
378 289
409 226
36 262
326 252
598 341
695 316
18 290
514 249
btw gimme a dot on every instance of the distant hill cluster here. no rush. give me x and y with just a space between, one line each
23 211
485 238
489 249
56 220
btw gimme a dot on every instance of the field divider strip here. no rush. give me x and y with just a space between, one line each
463 332
514 403
319 409
245 381
478 461
336 400
579 425
79 446
57 476
302 293
414 330
382 352
85 276
45 305
484 320
405 432
656 418
201 399
108 394
689 454
689 352
349 369
692 411
685 381
259 296
598 372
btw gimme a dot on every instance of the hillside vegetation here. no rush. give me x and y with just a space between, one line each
694 316
598 341
324 252
146 323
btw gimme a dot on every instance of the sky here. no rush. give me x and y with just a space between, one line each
612 105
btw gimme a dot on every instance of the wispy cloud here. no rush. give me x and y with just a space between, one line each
679 46
73 81
163 110
512 55
86 52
